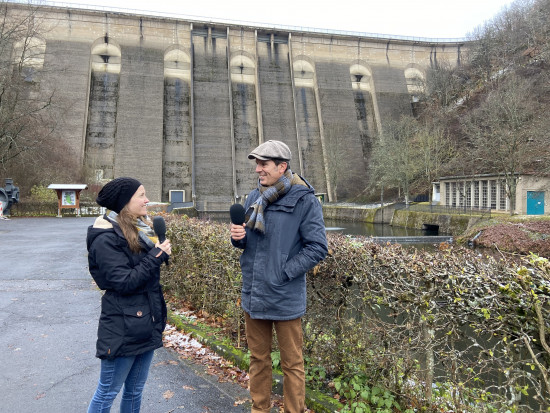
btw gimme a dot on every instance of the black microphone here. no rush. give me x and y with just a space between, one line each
160 228
236 212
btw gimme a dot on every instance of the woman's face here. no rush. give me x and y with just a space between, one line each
138 204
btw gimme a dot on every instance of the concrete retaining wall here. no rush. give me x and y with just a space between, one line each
349 213
448 224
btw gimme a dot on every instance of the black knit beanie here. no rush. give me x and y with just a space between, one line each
117 193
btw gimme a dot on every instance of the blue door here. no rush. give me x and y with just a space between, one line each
535 202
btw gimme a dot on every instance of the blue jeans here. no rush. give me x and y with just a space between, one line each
132 372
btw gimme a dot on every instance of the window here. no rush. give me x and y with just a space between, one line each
484 193
453 194
468 190
447 193
493 194
476 194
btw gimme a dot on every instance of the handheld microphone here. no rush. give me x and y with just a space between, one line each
159 226
237 212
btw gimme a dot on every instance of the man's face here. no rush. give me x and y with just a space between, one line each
269 172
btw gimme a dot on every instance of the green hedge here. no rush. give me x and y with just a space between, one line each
31 208
443 330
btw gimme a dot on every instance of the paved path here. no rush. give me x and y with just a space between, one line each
49 308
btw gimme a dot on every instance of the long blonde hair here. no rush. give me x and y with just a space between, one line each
127 223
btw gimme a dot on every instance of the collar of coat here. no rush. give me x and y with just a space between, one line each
148 237
294 194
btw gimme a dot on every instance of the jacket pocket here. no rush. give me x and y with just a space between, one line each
280 277
138 324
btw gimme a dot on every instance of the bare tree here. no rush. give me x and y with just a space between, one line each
25 122
396 160
435 148
345 170
501 133
445 84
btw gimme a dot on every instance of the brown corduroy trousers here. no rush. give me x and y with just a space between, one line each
259 335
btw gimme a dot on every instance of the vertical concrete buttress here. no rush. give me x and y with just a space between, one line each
258 93
231 118
291 64
192 86
322 135
86 109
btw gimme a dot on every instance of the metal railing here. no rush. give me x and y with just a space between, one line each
206 19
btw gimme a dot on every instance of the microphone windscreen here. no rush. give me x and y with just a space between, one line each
236 212
159 226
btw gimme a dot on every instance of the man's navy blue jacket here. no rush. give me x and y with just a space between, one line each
274 264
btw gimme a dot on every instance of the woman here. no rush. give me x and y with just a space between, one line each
124 259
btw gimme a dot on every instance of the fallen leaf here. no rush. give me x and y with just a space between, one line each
166 362
241 401
168 394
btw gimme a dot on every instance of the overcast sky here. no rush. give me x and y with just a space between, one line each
416 18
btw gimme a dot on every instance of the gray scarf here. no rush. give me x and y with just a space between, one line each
145 232
268 195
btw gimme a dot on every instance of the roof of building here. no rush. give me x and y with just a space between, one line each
68 186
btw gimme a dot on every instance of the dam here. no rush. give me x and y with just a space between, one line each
179 104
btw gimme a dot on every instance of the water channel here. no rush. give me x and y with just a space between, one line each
372 230
382 232
387 233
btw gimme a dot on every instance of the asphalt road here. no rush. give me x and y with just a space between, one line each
49 308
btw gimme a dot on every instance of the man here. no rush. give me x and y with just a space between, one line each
283 237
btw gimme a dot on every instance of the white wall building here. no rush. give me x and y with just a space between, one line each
489 191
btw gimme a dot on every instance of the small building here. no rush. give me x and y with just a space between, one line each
68 196
489 191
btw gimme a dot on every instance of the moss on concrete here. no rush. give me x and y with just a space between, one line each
447 223
349 213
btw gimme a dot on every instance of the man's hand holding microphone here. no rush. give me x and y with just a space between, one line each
237 228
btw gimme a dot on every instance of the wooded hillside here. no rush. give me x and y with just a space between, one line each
488 114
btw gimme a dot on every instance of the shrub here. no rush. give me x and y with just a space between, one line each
439 330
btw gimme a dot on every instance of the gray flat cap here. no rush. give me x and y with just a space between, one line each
271 150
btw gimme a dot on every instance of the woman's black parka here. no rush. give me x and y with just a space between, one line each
133 310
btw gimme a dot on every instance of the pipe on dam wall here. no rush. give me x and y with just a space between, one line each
293 82
192 111
231 114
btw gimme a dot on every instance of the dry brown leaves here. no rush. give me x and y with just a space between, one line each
518 237
190 349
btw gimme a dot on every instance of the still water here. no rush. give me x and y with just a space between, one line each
383 233
416 236
373 230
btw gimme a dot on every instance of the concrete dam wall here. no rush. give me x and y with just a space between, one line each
179 104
